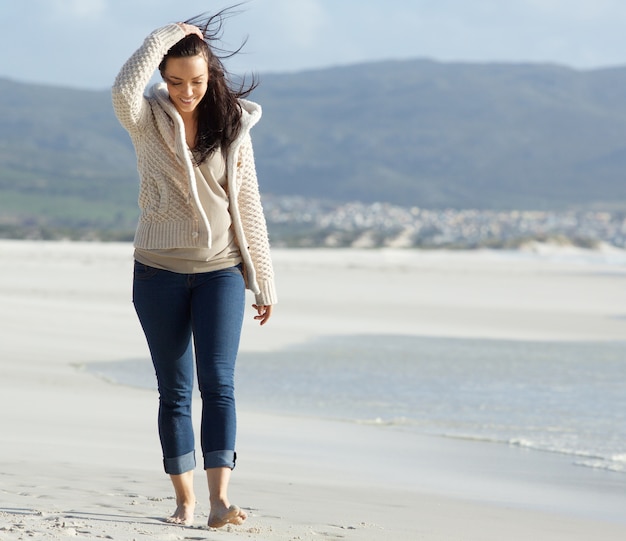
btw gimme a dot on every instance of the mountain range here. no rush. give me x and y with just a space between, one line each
414 133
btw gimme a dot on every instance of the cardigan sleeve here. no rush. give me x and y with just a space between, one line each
129 103
254 224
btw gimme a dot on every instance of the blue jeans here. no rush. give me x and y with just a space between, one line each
174 309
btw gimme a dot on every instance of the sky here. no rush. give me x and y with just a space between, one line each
83 43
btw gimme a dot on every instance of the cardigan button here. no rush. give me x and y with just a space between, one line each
194 234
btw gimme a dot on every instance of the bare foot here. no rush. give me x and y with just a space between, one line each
183 515
222 516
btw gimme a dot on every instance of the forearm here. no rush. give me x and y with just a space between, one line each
255 227
130 83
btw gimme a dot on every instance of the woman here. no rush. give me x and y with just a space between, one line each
201 239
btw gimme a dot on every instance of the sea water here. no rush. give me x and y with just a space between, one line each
561 397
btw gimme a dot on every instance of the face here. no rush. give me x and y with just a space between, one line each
187 79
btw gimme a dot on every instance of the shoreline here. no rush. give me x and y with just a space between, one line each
80 456
470 471
412 417
454 465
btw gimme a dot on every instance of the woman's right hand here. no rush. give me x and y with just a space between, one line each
191 29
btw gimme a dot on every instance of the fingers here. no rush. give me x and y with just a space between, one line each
191 29
264 312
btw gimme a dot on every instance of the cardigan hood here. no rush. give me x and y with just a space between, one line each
250 114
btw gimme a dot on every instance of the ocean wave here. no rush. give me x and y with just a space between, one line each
600 464
379 421
589 459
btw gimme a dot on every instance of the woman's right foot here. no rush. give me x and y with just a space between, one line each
182 516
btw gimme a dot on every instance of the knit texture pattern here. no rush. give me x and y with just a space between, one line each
171 215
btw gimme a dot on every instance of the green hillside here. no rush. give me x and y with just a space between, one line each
447 135
64 160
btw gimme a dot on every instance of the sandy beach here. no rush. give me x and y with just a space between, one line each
79 456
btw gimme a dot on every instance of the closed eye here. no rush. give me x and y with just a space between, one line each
176 82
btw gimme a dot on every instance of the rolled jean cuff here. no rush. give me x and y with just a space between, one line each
220 459
180 464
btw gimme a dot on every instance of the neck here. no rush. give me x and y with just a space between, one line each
188 118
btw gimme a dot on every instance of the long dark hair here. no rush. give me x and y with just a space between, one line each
219 112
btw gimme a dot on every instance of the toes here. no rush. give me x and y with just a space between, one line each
234 515
241 516
180 519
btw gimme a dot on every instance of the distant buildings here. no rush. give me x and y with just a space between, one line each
301 222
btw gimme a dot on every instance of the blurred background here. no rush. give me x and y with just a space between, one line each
400 124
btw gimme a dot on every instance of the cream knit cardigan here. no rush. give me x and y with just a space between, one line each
171 214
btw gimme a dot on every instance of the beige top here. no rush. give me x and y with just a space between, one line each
223 251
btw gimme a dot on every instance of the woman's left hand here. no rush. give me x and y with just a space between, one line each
264 313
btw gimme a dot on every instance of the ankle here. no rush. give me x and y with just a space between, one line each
219 501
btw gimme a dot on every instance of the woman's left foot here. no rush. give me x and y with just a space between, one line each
230 515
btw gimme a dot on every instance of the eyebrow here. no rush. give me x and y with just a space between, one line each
180 79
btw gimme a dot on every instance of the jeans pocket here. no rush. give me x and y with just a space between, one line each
237 269
144 272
